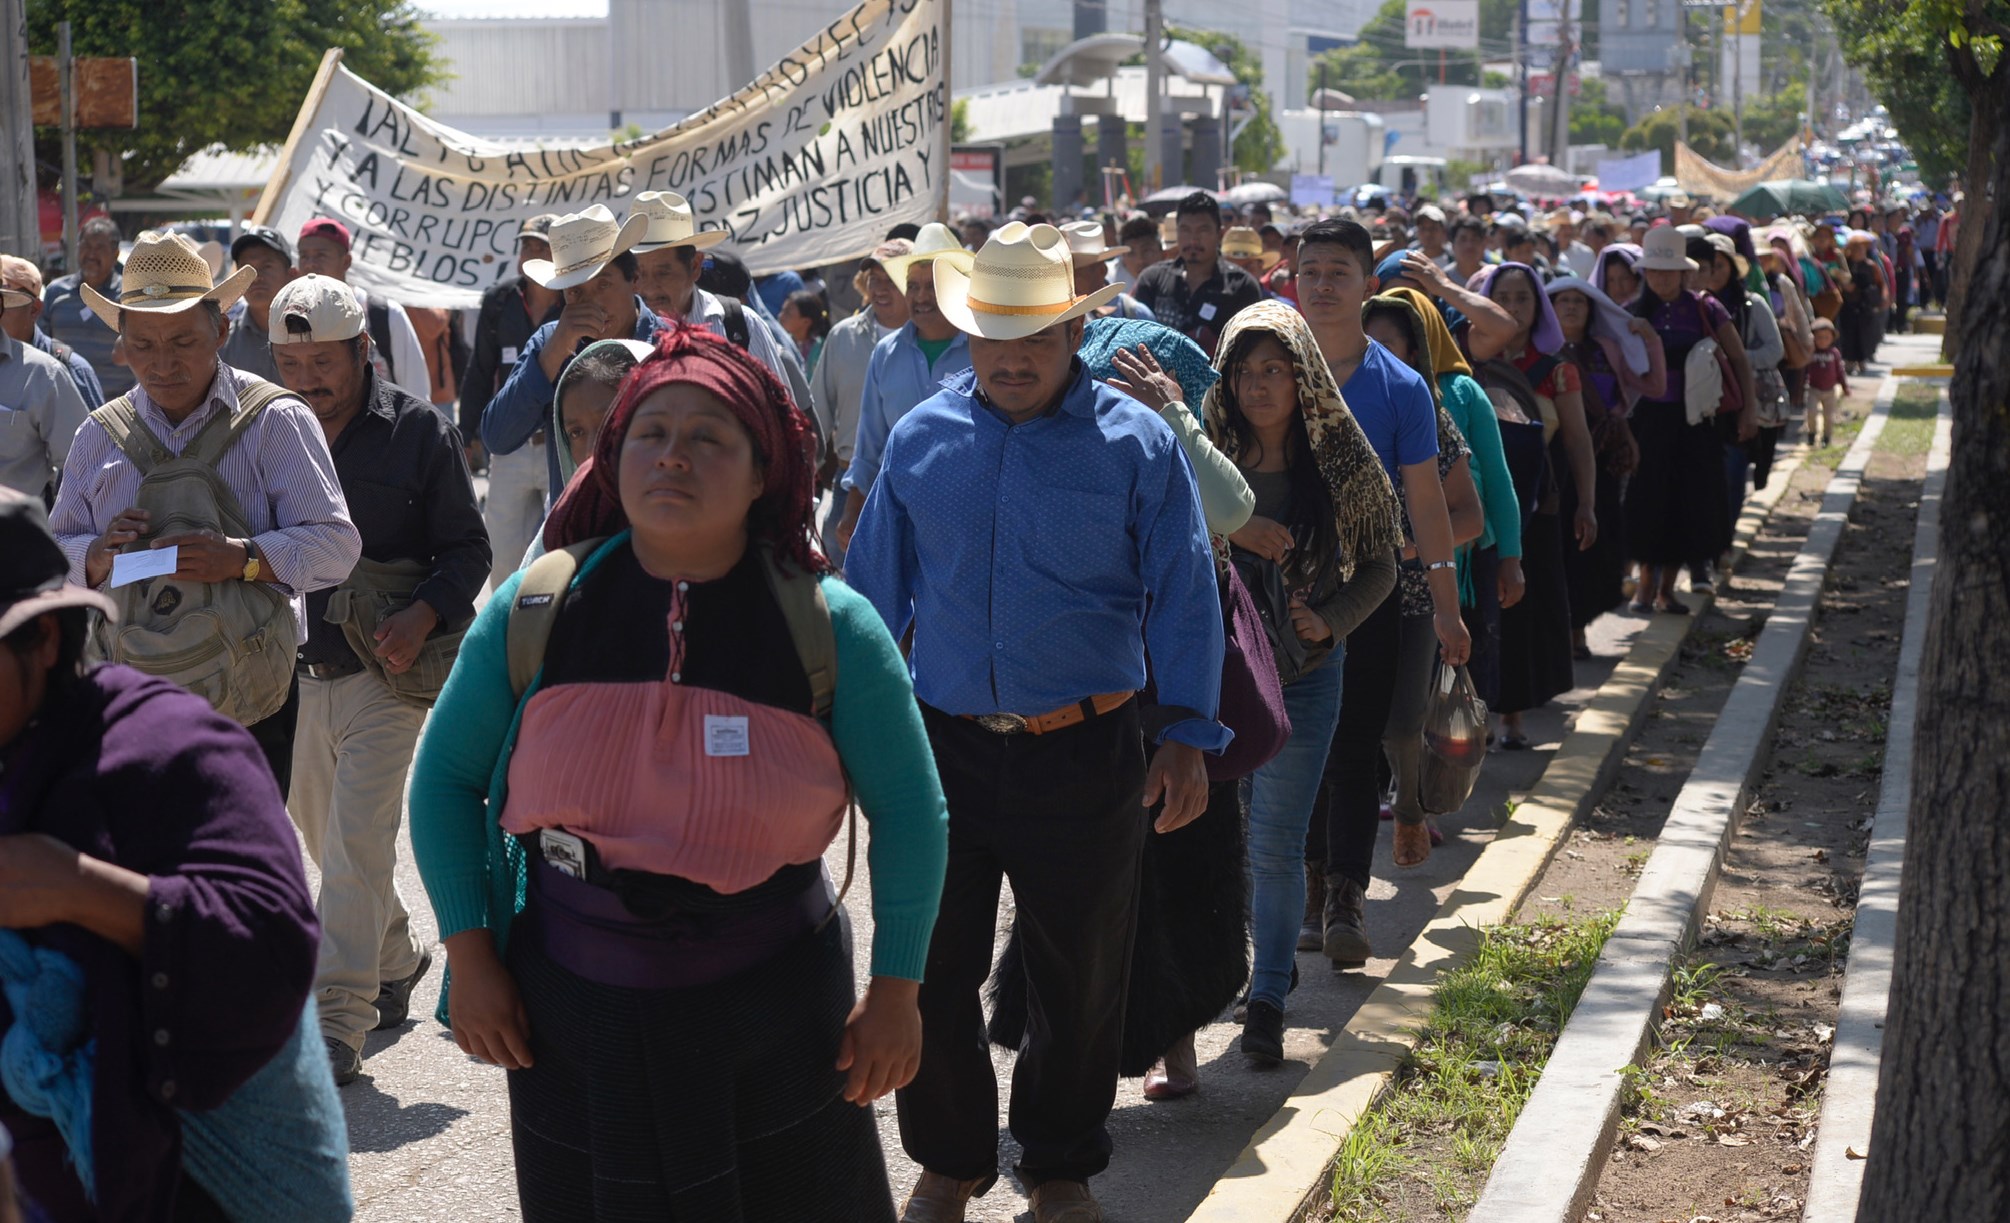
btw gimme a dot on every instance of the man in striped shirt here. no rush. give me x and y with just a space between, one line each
279 471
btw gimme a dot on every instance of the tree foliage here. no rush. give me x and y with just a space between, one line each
1378 65
1594 119
229 72
1903 51
1709 134
1772 119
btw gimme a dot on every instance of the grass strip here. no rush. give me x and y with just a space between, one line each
1433 1138
1909 432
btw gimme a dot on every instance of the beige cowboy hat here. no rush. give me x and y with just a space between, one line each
166 274
1022 282
582 243
1085 243
671 223
1242 242
935 241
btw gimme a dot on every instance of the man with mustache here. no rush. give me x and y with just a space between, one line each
364 676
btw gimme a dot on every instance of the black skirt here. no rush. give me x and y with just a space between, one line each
1535 662
1677 507
1594 574
715 1103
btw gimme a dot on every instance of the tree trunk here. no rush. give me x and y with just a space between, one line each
1940 1147
1985 124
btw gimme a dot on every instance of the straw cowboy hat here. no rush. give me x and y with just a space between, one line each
1242 242
582 243
167 274
935 241
1022 282
671 223
1085 243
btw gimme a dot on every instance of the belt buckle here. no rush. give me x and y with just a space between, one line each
1002 723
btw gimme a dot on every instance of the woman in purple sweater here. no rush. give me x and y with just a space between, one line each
143 838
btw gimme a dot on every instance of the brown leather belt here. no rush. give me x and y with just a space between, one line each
1046 723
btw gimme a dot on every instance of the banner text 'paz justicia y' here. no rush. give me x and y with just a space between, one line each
810 164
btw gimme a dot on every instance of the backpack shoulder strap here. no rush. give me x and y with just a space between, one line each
120 419
808 613
736 323
254 395
538 599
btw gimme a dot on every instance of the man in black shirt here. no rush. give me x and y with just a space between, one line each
378 647
1198 292
512 310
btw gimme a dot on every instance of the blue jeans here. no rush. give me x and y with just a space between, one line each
1281 795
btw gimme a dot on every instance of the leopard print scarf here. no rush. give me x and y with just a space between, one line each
1364 504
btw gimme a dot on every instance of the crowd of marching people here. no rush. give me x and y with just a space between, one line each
1117 558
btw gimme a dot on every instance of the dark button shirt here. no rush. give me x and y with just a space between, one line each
1198 314
139 772
406 479
502 331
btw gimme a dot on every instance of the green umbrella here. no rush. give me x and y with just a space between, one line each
1788 197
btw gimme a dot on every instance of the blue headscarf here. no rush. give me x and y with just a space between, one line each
1547 334
1185 360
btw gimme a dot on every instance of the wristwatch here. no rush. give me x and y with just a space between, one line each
252 566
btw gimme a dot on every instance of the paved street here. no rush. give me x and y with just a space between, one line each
429 1128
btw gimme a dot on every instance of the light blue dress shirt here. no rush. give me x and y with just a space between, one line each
1039 562
897 378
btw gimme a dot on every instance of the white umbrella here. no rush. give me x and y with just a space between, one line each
1547 181
1258 192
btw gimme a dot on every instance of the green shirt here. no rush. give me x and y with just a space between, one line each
933 349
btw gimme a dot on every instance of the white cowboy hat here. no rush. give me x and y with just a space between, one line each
1085 243
671 223
1021 283
582 243
1665 250
166 274
935 240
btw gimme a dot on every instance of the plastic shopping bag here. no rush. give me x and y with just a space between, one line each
1455 731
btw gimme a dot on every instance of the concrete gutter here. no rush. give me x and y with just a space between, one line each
1842 1140
1285 1169
1550 1165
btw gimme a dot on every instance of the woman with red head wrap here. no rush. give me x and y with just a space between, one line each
626 855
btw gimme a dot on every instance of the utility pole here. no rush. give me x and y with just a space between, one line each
66 79
20 220
1521 72
1735 13
1322 116
1155 82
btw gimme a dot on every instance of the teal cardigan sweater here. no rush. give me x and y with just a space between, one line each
475 874
1473 413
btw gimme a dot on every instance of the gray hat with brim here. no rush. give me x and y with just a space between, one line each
34 572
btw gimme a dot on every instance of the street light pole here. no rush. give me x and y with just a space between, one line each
66 79
20 221
1154 89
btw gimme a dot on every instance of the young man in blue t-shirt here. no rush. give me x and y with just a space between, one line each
1335 275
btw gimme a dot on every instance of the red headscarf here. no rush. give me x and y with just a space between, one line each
590 506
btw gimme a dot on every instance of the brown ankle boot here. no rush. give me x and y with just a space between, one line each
938 1199
1345 940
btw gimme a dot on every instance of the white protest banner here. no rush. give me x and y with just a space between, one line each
809 164
1311 190
1452 25
1629 173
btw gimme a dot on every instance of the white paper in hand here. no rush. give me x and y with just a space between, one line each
130 567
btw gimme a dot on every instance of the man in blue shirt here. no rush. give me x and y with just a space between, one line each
1336 266
1039 531
17 275
907 367
593 265
66 316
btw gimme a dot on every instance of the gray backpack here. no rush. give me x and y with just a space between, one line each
231 643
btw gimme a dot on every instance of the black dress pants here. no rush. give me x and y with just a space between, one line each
1350 797
1061 815
275 738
